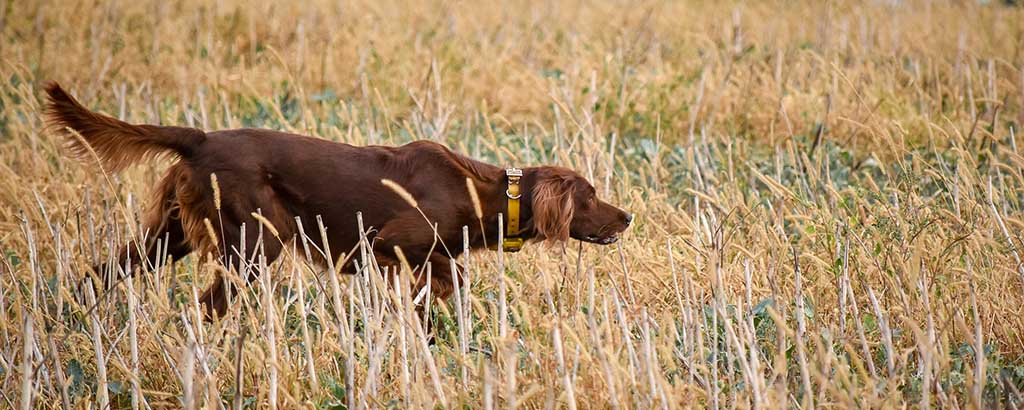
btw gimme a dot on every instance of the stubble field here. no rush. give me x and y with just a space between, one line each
828 202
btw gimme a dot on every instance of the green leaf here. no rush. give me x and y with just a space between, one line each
649 148
762 307
76 374
327 95
808 309
116 387
869 322
13 257
338 391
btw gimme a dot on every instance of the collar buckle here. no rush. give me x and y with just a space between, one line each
513 244
514 175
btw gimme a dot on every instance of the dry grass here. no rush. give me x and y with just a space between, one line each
828 202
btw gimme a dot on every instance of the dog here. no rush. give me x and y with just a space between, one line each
415 199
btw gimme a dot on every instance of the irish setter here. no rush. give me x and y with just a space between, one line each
280 176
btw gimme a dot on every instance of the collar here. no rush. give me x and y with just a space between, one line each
513 242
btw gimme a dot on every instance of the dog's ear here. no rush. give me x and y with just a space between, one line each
552 208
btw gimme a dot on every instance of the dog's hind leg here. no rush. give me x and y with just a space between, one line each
164 237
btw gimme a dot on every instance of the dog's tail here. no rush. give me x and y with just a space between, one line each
116 143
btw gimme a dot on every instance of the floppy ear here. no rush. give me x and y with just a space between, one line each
552 208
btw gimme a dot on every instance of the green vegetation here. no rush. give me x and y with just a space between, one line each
828 199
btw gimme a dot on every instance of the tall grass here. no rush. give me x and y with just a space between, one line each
828 202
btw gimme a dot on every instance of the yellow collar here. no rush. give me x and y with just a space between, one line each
513 242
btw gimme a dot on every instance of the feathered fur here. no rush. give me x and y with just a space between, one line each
115 142
553 208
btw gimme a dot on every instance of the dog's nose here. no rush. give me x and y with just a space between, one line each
629 218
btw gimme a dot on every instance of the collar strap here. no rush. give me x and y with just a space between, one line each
513 242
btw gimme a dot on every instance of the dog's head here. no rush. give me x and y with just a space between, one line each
565 206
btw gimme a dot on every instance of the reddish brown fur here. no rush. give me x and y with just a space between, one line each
116 143
553 207
283 176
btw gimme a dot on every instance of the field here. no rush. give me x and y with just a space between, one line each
828 201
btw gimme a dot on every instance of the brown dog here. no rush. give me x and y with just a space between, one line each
282 176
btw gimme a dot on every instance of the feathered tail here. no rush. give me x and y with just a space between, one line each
116 143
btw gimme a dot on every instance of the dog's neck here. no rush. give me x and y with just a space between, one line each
495 201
